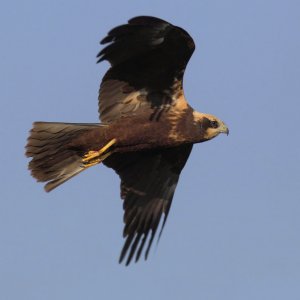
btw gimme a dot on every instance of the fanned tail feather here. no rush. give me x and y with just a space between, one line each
53 161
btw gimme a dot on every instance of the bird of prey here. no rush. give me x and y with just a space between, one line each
147 128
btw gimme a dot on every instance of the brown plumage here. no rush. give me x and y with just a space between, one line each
147 130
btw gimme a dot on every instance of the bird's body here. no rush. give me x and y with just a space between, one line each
174 128
147 130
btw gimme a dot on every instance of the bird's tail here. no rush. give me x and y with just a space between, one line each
54 159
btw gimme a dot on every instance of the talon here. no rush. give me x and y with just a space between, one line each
92 162
92 157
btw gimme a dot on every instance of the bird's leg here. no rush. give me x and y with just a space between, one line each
97 153
93 157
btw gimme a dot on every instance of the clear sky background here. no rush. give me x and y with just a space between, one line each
234 228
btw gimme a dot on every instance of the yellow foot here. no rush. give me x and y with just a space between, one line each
92 157
94 161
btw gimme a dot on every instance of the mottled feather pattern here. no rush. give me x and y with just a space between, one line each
119 100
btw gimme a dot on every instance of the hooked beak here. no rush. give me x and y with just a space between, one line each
224 129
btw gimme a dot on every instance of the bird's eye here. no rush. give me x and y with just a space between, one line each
214 124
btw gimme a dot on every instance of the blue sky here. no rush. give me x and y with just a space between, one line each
233 229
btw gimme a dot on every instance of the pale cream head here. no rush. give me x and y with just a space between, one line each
212 126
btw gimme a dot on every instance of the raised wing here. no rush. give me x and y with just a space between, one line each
148 57
148 182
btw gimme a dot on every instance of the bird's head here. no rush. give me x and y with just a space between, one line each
210 126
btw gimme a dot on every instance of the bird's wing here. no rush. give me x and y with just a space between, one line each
148 182
148 57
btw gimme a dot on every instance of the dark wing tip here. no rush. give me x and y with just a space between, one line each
140 35
139 224
147 20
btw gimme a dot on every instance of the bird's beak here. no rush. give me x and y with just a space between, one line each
224 129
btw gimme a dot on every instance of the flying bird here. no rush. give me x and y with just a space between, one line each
147 128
